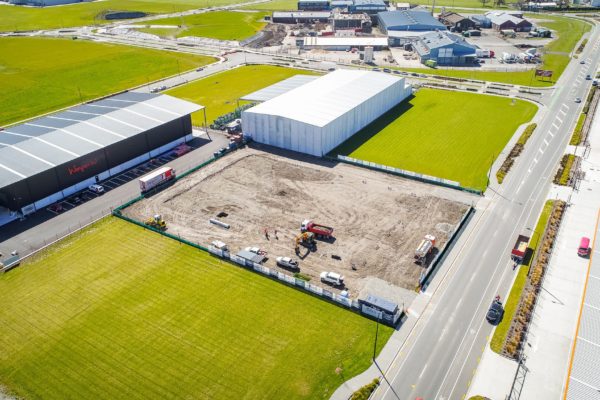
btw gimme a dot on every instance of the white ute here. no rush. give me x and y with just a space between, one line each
287 262
332 278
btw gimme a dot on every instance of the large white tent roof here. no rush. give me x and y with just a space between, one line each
325 99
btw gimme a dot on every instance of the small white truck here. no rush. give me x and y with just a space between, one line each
287 262
332 278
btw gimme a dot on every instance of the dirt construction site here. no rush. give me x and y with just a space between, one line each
378 219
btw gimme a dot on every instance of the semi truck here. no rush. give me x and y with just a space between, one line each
519 249
425 247
156 178
482 53
320 231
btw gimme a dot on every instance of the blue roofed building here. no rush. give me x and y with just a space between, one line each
408 20
444 48
313 5
371 7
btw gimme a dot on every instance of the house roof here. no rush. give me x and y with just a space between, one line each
38 145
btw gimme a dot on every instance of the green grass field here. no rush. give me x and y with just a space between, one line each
118 312
224 25
511 303
219 93
63 69
451 135
80 14
569 32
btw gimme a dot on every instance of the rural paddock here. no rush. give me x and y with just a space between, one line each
378 219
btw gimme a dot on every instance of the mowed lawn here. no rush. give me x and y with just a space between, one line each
451 135
118 312
80 14
223 25
219 93
41 75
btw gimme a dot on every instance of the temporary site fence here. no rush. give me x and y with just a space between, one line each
408 174
307 287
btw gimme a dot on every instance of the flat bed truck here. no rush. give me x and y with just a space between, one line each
520 248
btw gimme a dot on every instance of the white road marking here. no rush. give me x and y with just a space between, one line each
546 142
562 112
560 120
541 151
556 126
550 133
414 314
535 160
564 105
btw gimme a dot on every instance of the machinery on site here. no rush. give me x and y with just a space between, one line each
519 249
156 178
321 231
157 222
424 248
306 239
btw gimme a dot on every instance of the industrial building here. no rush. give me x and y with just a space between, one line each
319 115
456 22
502 21
341 4
408 20
371 7
47 159
313 5
358 22
300 17
444 48
43 3
332 43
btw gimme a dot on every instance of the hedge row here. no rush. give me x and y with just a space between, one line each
515 152
365 392
564 171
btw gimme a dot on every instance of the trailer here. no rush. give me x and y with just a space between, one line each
156 178
424 248
519 249
320 231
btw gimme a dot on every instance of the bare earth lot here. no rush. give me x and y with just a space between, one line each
378 219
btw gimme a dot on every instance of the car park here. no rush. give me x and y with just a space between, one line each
95 188
332 278
495 313
287 262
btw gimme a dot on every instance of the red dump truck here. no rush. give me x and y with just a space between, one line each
156 178
519 249
320 231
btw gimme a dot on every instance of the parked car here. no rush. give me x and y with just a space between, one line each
588 77
582 62
376 69
577 99
495 313
332 278
287 262
387 70
256 250
199 69
584 247
154 90
163 87
95 188
396 72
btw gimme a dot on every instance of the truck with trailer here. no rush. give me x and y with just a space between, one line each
156 178
424 248
320 231
482 53
520 248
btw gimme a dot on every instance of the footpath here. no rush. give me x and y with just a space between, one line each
553 326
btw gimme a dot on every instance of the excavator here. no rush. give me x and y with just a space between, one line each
306 239
157 222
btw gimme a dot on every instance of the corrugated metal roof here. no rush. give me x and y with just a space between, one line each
279 88
434 40
354 41
409 20
325 99
37 145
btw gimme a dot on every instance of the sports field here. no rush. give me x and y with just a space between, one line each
118 312
64 72
451 135
219 93
81 14
223 25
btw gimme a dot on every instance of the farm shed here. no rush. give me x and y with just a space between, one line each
456 21
318 116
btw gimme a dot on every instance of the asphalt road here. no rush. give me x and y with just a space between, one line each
441 355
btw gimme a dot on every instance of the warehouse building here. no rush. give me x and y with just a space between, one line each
502 21
313 5
343 21
444 48
319 115
456 22
408 20
371 7
47 159
344 43
300 17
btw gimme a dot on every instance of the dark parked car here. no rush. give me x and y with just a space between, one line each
494 314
